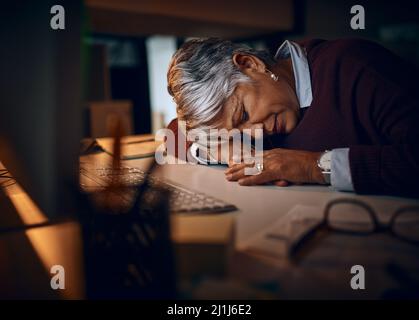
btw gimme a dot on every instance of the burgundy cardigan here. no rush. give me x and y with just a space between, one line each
367 99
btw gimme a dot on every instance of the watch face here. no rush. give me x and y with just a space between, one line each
325 161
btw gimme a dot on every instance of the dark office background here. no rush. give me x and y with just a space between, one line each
123 35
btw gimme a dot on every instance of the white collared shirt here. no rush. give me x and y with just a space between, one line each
300 68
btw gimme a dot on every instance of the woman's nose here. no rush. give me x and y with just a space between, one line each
253 129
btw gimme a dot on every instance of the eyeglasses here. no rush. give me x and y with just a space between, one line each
351 216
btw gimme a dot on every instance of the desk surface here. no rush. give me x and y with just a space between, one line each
324 272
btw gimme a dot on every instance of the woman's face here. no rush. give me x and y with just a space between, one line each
263 103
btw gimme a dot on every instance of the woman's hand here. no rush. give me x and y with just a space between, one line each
280 166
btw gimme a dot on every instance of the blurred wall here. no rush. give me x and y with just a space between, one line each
394 24
159 52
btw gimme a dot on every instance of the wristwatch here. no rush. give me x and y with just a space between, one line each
325 164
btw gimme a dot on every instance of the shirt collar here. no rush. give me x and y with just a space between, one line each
300 68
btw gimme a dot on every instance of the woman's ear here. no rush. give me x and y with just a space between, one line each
247 62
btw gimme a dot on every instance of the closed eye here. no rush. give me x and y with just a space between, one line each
245 116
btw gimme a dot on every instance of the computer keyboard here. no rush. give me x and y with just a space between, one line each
182 199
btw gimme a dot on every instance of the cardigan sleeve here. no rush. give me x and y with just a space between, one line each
391 167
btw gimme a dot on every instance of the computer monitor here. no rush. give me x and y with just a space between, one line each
40 100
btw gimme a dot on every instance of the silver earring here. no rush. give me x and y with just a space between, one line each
274 77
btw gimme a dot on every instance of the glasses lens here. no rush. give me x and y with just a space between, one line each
350 217
406 224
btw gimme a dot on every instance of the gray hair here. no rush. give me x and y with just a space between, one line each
202 76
